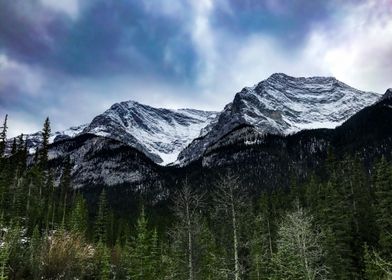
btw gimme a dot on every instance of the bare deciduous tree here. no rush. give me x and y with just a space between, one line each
187 206
299 251
229 199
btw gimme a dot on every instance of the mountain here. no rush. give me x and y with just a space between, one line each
366 134
99 160
161 134
279 105
388 94
283 105
34 140
260 160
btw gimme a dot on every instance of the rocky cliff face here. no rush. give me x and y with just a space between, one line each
100 161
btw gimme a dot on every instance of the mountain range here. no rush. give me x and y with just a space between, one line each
278 105
282 125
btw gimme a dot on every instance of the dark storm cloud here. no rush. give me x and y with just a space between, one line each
71 59
116 36
108 37
30 32
289 21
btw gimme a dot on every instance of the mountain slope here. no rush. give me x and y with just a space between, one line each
283 105
159 133
98 160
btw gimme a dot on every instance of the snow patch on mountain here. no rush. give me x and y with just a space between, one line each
160 133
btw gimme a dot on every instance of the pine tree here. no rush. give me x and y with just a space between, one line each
43 155
4 251
16 249
261 249
65 188
3 136
118 260
4 254
362 208
102 258
211 262
336 219
101 221
21 158
34 259
155 258
32 194
18 200
13 147
383 192
49 202
78 219
141 252
174 260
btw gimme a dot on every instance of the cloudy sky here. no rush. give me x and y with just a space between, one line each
72 59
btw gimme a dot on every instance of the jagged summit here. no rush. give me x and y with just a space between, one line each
282 104
280 75
159 133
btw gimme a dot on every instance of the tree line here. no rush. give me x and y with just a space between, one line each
334 226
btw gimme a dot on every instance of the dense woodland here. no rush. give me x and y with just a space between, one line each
337 225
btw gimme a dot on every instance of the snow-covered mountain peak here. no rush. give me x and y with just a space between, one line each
160 133
284 78
282 104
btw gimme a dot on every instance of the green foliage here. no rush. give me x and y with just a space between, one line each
211 262
102 262
43 153
142 252
3 136
102 219
4 251
78 219
47 232
375 266
261 249
383 191
34 253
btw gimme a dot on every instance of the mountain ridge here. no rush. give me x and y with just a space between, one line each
283 104
280 104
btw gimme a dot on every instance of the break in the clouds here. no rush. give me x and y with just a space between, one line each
71 59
